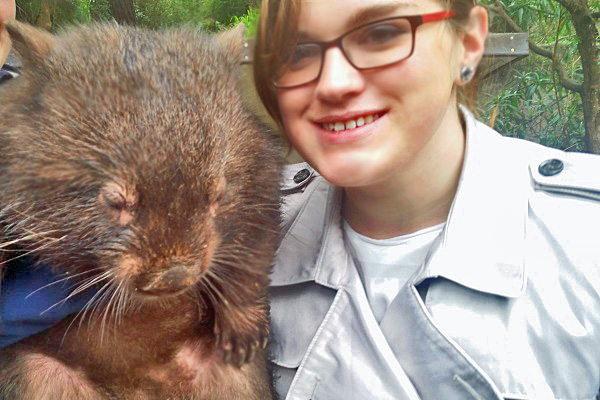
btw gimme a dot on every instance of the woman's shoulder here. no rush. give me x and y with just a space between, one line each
562 204
567 174
559 175
564 199
296 177
555 172
541 200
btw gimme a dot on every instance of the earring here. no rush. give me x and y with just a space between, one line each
466 74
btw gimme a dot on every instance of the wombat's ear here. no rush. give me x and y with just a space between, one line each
232 40
32 44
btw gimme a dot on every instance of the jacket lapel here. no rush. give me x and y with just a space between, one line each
437 367
340 360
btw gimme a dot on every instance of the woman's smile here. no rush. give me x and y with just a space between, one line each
349 127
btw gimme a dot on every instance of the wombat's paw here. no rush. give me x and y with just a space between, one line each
239 346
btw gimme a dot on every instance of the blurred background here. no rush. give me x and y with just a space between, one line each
548 91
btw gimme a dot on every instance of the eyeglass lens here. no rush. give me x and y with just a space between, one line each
371 46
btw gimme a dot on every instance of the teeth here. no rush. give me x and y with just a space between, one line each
350 124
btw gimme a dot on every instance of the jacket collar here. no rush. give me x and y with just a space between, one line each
481 247
302 250
483 244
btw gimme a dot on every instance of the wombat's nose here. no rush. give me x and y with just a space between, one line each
171 281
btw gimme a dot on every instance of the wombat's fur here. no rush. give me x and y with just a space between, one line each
128 163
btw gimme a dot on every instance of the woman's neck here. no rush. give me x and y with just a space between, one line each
419 195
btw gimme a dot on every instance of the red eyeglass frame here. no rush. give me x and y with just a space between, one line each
414 20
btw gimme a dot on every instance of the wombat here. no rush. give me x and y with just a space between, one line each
131 166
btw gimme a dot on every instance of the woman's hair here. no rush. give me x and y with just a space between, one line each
277 29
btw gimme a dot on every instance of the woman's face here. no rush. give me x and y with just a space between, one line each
407 101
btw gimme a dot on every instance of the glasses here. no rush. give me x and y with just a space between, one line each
373 45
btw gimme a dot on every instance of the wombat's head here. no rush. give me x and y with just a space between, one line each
128 156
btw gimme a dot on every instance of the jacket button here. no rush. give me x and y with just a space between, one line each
551 167
301 175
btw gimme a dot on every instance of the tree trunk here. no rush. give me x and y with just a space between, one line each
123 11
44 20
589 49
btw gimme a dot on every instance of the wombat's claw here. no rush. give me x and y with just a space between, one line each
240 357
238 351
226 348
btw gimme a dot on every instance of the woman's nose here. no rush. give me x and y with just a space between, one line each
339 79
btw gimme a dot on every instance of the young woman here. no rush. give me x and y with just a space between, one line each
423 255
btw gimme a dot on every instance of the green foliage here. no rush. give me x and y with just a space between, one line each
250 20
99 10
529 101
163 13
212 15
218 13
28 10
64 12
531 107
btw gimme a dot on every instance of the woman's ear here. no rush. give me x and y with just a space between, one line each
473 38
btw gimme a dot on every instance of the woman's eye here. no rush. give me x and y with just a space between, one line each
382 34
303 55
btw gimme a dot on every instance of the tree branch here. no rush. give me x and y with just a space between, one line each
556 64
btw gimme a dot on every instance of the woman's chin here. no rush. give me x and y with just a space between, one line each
348 175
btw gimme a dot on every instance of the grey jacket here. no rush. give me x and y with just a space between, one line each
506 305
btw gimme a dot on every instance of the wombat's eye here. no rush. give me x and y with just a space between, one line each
118 203
114 200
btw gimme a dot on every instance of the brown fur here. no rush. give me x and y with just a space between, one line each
129 163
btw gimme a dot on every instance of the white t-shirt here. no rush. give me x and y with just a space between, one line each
385 265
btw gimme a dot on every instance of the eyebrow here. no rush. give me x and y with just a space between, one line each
365 15
375 12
